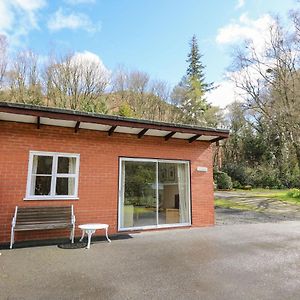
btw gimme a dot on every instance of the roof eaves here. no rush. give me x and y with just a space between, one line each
75 113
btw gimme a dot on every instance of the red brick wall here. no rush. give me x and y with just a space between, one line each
98 174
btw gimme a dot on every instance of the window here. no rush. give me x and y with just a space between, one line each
52 176
153 193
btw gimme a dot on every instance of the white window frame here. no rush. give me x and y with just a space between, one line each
121 193
54 175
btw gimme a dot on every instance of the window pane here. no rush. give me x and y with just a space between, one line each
40 185
139 207
183 193
173 193
65 186
42 164
139 204
66 165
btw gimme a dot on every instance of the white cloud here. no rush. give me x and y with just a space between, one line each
224 94
88 57
246 28
90 60
61 20
7 17
240 4
75 2
227 91
29 5
18 17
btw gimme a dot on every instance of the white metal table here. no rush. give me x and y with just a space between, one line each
90 229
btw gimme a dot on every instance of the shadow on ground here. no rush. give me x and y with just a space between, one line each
64 243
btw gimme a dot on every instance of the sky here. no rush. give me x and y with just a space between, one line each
148 35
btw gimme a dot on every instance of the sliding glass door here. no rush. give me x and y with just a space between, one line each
153 193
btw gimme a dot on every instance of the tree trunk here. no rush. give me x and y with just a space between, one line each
297 149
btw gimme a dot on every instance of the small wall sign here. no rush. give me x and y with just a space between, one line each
202 169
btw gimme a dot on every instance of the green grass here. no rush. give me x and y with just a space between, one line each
233 205
262 191
281 195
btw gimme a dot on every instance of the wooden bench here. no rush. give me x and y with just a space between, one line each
43 218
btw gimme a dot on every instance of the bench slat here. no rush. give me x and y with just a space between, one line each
44 211
43 217
44 214
43 207
42 226
43 221
46 218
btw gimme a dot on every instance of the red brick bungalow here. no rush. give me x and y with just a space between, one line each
131 174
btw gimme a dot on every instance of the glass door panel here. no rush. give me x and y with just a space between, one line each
154 193
139 194
173 193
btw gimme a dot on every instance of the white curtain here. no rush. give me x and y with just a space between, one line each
33 174
124 217
71 180
183 193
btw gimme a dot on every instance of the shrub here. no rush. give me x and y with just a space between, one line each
237 172
294 193
223 180
291 178
236 185
263 176
247 187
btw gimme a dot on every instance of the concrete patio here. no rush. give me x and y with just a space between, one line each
248 261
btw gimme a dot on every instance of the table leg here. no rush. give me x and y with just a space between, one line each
82 236
107 235
89 233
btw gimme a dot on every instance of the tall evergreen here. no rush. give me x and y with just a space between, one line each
195 70
190 92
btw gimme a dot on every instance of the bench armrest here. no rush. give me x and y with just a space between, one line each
73 219
13 222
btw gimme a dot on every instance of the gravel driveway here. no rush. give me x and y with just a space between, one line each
270 210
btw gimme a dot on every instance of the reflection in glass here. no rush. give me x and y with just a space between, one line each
66 165
65 185
142 182
42 164
41 185
173 193
139 194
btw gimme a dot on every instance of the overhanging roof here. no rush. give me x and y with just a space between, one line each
77 120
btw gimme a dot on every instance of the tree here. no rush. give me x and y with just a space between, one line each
195 70
76 82
265 134
3 58
190 91
271 83
135 94
24 79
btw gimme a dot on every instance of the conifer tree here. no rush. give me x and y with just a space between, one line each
190 92
195 70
